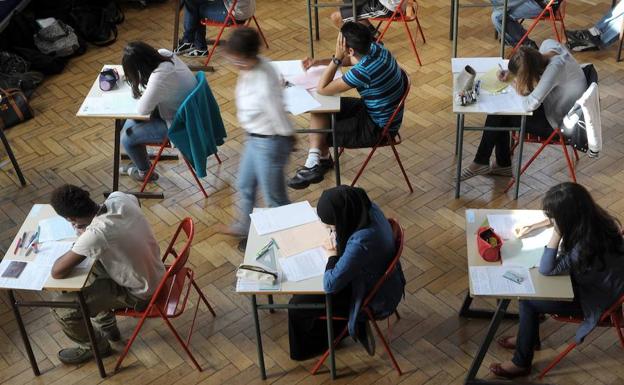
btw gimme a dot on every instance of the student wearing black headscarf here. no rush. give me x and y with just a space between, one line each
364 247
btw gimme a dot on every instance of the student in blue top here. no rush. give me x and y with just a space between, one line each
379 81
587 244
363 249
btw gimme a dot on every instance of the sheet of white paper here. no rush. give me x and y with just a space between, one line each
525 252
283 217
55 229
111 102
35 210
506 101
310 263
298 100
504 224
309 79
251 285
479 64
49 252
33 277
288 68
489 280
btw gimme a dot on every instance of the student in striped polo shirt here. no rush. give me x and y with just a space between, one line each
380 83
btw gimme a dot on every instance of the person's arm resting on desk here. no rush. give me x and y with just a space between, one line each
551 264
65 264
342 271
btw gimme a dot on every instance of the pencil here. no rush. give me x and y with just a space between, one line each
19 241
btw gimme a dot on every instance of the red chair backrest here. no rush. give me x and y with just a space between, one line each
399 237
408 85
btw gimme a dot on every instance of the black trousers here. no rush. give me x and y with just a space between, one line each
536 124
528 330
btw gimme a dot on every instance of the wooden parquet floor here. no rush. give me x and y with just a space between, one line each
432 344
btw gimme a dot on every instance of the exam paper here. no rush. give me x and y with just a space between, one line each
504 224
505 102
49 252
288 68
55 229
489 280
249 285
301 238
283 217
33 277
298 100
527 251
110 102
310 263
310 79
490 82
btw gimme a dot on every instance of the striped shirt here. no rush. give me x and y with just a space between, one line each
377 77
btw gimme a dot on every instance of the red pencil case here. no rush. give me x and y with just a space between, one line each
489 244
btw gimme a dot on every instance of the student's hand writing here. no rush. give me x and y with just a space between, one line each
503 75
341 47
330 244
523 230
308 62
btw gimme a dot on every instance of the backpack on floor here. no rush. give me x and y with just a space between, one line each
97 23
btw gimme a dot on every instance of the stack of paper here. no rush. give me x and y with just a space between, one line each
310 79
283 217
55 229
527 251
305 265
298 100
489 280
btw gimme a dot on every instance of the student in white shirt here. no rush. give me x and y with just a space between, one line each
127 270
161 82
260 111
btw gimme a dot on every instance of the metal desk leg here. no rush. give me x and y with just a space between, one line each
316 20
619 52
16 166
354 10
456 135
478 359
87 320
310 28
460 150
503 29
176 23
451 17
254 312
455 11
336 152
118 126
467 312
330 335
22 329
271 303
520 147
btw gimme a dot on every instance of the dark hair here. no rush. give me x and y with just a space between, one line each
244 41
71 201
583 225
528 65
357 36
139 61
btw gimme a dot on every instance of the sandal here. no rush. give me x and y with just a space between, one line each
498 370
467 173
139 176
501 171
505 343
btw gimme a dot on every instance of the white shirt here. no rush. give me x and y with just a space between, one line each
167 87
122 240
259 101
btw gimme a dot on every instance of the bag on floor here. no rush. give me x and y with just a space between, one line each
57 39
96 23
14 108
11 63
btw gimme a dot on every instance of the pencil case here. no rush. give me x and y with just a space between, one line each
256 273
489 244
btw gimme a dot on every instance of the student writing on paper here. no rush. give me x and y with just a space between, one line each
270 134
379 81
126 272
364 247
549 81
161 82
592 252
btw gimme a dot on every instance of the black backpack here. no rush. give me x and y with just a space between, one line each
97 21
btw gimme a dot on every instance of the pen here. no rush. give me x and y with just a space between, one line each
19 241
500 66
265 249
34 237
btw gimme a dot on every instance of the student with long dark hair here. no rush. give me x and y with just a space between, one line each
591 251
161 82
549 82
364 247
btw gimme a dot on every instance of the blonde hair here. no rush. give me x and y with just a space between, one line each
527 65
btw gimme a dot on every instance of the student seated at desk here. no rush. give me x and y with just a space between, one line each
193 42
270 134
549 81
592 252
127 266
161 82
364 247
604 33
378 79
517 10
366 9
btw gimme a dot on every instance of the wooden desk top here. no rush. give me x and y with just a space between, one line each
546 288
116 104
78 278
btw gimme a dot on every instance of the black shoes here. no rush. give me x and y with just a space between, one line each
582 40
306 176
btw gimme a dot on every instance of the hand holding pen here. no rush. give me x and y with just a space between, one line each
502 75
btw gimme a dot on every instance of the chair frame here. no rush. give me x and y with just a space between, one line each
399 233
165 302
399 16
230 21
167 144
386 140
554 15
613 317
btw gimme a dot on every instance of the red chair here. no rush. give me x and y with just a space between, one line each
553 11
168 300
409 15
167 144
612 317
399 237
387 140
555 138
230 21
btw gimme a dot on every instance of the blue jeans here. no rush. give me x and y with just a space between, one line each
528 330
610 24
262 164
194 11
135 134
516 10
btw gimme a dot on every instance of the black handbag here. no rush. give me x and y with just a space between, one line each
14 108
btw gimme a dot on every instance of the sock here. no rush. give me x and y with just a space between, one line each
314 158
